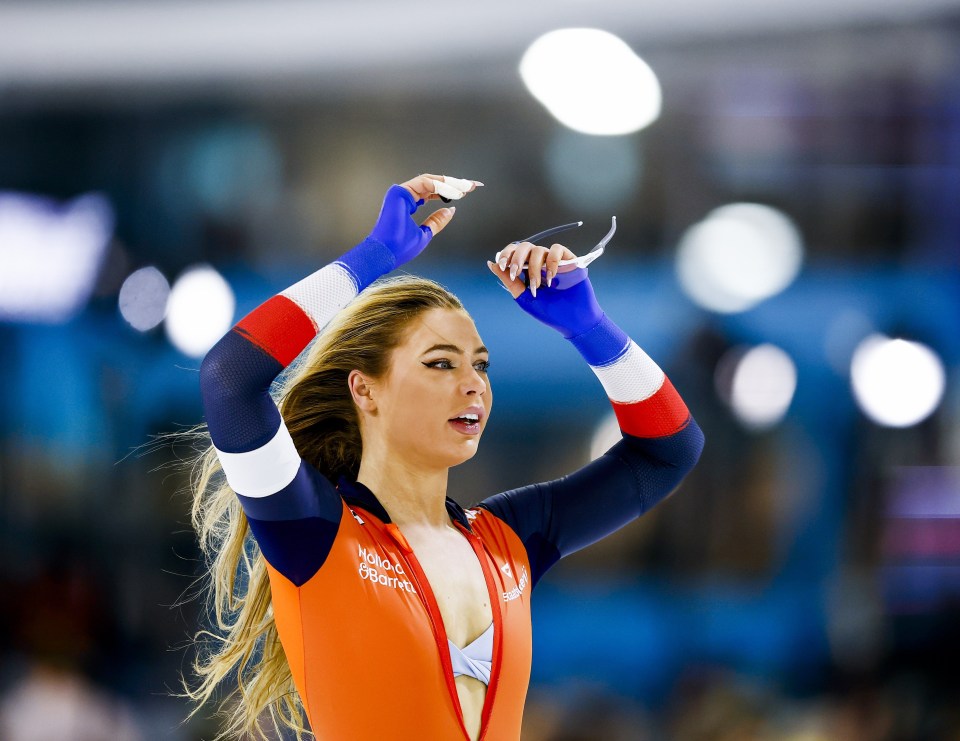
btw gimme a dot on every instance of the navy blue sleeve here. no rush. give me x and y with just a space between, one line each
295 523
557 518
295 527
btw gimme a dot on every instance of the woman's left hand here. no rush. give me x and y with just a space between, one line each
567 303
539 260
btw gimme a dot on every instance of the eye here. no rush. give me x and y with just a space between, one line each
482 366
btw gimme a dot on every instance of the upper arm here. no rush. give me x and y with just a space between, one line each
292 509
295 527
557 518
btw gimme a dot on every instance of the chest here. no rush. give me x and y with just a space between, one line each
458 584
366 594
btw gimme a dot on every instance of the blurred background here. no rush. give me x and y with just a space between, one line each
785 178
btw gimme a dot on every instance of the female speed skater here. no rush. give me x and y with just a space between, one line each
352 597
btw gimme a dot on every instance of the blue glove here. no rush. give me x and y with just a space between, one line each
396 230
568 305
396 239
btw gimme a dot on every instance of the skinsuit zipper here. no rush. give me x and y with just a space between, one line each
439 631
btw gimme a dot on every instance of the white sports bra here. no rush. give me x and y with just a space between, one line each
475 659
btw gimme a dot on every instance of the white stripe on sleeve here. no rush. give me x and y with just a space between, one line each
263 471
324 293
630 378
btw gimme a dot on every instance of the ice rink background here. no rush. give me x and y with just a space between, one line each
803 582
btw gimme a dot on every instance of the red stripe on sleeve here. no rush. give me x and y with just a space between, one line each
279 327
662 414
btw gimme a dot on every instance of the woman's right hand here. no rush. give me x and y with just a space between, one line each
396 228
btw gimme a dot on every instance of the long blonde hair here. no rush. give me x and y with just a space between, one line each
242 644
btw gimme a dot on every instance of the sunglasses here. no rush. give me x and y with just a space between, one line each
583 260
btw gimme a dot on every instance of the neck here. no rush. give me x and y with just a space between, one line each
413 497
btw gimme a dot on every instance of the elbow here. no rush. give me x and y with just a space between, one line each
213 371
684 458
209 365
214 368
691 449
223 378
233 368
659 465
677 453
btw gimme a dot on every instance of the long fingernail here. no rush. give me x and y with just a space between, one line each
513 272
533 289
549 278
503 264
479 184
452 210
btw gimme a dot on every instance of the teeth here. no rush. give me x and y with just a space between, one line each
471 417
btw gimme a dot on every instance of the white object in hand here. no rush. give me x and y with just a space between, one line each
453 188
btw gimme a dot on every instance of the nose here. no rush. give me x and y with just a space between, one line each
473 382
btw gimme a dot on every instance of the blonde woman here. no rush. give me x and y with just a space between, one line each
368 604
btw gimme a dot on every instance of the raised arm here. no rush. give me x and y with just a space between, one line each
288 503
661 441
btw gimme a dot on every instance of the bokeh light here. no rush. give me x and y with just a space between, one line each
739 255
143 298
758 384
199 311
50 254
897 383
591 81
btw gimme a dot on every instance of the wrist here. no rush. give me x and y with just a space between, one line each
602 343
369 260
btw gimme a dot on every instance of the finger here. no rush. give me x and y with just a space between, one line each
436 221
554 256
422 187
534 264
504 255
430 187
514 286
567 255
518 258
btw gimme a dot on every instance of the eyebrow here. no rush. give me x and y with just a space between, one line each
454 348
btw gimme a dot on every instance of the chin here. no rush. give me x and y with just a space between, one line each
463 454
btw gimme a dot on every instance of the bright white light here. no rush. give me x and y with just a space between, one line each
762 386
143 298
896 383
50 254
591 81
199 311
738 256
606 434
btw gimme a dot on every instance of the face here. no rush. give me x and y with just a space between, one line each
436 376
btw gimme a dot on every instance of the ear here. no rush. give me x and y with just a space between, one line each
361 389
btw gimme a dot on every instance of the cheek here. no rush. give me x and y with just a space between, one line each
415 407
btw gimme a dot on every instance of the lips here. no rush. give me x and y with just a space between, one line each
470 415
468 421
467 428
